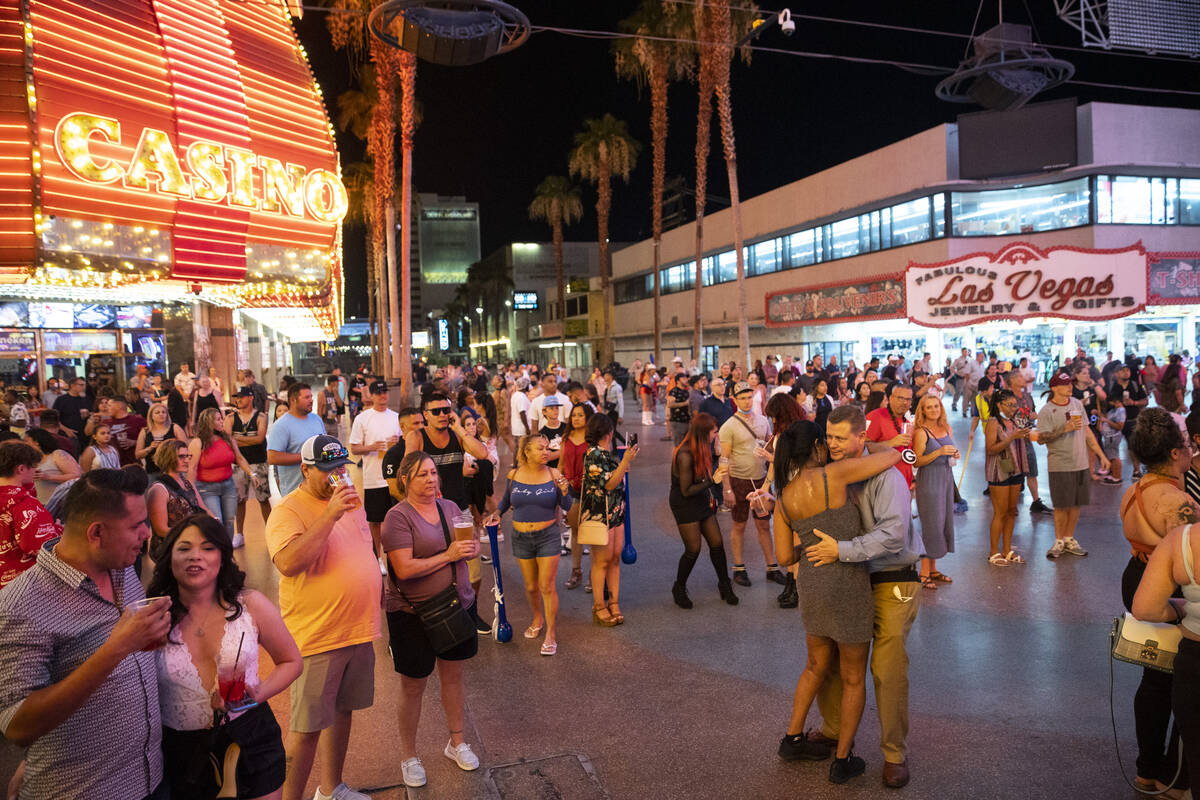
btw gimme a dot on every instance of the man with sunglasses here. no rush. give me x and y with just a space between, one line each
329 590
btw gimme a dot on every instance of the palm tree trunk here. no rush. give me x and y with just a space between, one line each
408 86
385 335
557 229
372 317
724 57
603 205
658 130
703 134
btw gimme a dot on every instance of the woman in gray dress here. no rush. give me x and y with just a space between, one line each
835 599
933 444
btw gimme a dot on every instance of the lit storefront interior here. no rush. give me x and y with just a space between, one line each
171 192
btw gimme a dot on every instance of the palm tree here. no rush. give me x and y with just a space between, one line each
557 202
359 179
407 66
702 32
648 61
602 149
723 58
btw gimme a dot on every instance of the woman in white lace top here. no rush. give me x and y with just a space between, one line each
210 693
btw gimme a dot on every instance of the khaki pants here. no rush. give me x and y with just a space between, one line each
889 669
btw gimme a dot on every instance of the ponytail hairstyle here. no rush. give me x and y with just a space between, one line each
793 450
998 397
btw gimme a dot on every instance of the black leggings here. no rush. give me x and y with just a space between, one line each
1185 702
1152 706
692 533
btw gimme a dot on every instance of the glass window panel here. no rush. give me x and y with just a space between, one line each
766 257
1172 201
1020 210
843 238
1158 201
1129 200
1189 201
726 267
910 222
707 274
801 245
874 244
939 215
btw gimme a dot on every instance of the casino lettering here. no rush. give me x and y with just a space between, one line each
217 173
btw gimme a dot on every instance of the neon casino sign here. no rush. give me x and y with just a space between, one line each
216 173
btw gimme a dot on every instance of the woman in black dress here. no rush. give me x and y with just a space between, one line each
694 507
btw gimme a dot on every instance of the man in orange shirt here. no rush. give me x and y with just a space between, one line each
329 594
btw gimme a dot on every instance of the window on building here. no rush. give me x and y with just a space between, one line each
1131 200
910 222
802 248
843 238
939 215
1189 201
726 267
764 257
1026 209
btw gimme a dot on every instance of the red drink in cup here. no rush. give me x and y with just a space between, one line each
232 687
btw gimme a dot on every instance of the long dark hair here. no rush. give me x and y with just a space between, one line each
230 578
697 441
792 451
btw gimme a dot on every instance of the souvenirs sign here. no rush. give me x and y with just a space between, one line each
1022 281
879 298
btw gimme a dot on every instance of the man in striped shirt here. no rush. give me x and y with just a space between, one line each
80 690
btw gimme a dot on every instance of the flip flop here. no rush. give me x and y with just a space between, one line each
940 578
928 582
532 632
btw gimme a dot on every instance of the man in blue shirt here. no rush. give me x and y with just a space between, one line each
717 404
288 433
890 548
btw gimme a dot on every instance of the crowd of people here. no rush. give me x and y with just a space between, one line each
161 664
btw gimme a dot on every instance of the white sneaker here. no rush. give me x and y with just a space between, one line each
413 772
238 541
1073 547
462 756
1058 548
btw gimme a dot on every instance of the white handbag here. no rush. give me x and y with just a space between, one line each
1147 644
593 531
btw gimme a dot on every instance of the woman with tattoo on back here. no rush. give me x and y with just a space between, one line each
1152 507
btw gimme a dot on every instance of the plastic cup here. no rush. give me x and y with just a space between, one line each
138 605
464 527
339 478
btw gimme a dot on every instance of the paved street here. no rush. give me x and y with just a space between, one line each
1009 679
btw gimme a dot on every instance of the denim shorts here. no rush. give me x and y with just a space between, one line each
537 544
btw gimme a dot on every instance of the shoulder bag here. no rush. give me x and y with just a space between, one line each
1146 644
593 531
447 624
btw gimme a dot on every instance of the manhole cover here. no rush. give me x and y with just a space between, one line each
565 777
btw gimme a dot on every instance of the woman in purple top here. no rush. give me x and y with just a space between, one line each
421 564
534 491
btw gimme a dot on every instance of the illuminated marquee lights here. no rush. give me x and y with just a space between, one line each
286 188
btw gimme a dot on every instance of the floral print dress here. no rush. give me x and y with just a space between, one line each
598 467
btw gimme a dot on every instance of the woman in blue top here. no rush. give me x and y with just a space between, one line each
534 491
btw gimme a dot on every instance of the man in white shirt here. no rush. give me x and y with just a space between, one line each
959 369
519 408
185 380
549 387
975 369
374 431
613 399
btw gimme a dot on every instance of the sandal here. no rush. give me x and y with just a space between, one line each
1013 557
532 632
927 582
617 615
606 621
940 578
575 579
997 560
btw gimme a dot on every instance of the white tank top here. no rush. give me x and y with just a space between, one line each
184 703
1191 590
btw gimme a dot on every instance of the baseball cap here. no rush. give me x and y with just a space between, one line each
324 452
741 386
551 401
379 387
245 391
1061 379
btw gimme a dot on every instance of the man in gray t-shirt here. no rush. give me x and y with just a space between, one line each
1061 429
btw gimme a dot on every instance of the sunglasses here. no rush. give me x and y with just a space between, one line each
438 411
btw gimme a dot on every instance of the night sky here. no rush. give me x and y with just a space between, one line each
491 132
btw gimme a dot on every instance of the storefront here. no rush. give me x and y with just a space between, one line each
172 191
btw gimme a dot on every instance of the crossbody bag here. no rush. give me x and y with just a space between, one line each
447 624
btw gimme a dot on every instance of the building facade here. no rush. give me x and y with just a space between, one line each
826 257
